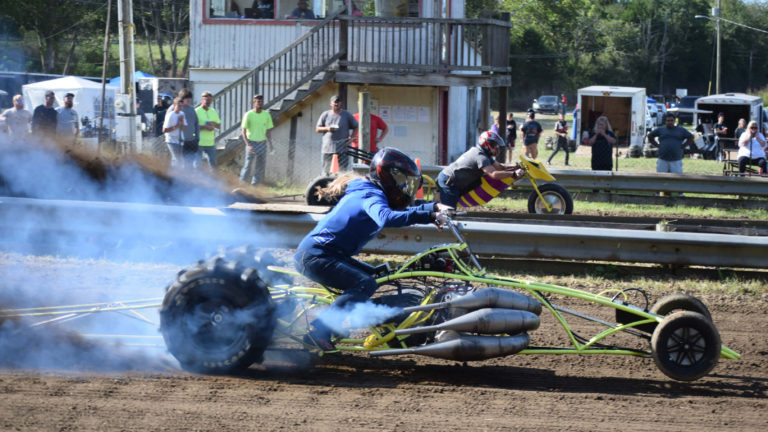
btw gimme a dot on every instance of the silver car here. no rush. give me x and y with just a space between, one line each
547 104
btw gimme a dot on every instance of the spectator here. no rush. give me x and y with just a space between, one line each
563 102
377 124
191 131
256 132
721 131
741 129
355 10
531 132
302 11
561 139
173 128
17 121
336 125
263 9
67 121
502 156
602 139
159 110
209 121
45 117
672 141
752 146
511 135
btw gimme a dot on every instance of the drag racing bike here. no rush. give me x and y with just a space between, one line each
221 315
546 197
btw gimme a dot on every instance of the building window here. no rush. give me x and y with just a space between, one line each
287 9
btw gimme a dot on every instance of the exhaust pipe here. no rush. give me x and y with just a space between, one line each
487 321
485 298
466 348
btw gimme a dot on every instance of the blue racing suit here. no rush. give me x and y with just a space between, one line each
325 254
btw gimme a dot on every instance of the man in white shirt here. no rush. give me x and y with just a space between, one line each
17 121
173 128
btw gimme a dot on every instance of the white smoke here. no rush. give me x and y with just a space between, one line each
357 316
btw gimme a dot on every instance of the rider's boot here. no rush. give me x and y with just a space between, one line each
320 335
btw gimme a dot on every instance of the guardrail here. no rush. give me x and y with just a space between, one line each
34 223
641 182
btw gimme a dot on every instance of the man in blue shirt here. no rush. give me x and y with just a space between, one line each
369 204
672 141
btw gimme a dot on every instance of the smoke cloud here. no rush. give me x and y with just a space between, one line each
81 257
357 316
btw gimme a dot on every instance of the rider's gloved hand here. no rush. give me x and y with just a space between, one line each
442 214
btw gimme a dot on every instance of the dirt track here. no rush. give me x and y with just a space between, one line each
356 392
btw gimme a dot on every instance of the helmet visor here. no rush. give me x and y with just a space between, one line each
407 184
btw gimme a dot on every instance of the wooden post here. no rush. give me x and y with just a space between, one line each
364 133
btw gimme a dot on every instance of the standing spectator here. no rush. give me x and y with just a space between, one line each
563 102
721 131
672 141
752 147
531 132
377 124
263 9
511 135
173 128
17 121
561 139
45 117
502 154
301 11
67 121
741 129
602 139
336 125
256 130
159 111
209 121
191 131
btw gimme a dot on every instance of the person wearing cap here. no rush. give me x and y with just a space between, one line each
190 148
17 120
256 132
209 121
336 125
67 121
44 118
531 132
159 110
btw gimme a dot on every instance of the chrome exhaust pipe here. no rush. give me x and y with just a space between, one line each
486 321
485 298
466 348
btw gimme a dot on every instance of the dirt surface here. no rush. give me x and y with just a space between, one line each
354 391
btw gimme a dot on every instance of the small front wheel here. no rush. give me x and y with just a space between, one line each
680 302
553 194
686 346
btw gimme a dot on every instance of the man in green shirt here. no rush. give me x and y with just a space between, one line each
256 127
209 120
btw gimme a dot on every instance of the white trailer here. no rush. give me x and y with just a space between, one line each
625 108
734 106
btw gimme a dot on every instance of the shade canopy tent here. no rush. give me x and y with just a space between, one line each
87 93
137 75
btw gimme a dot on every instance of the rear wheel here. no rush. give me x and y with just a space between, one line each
680 302
311 196
555 195
686 346
217 317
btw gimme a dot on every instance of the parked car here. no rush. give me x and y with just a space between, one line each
547 104
686 102
654 113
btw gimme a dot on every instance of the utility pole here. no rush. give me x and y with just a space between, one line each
127 118
716 15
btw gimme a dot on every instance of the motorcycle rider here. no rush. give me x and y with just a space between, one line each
369 204
465 173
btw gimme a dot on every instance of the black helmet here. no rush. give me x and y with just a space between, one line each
397 175
490 142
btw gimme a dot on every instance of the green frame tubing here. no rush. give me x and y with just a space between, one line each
292 328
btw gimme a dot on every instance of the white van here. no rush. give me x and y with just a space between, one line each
734 106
